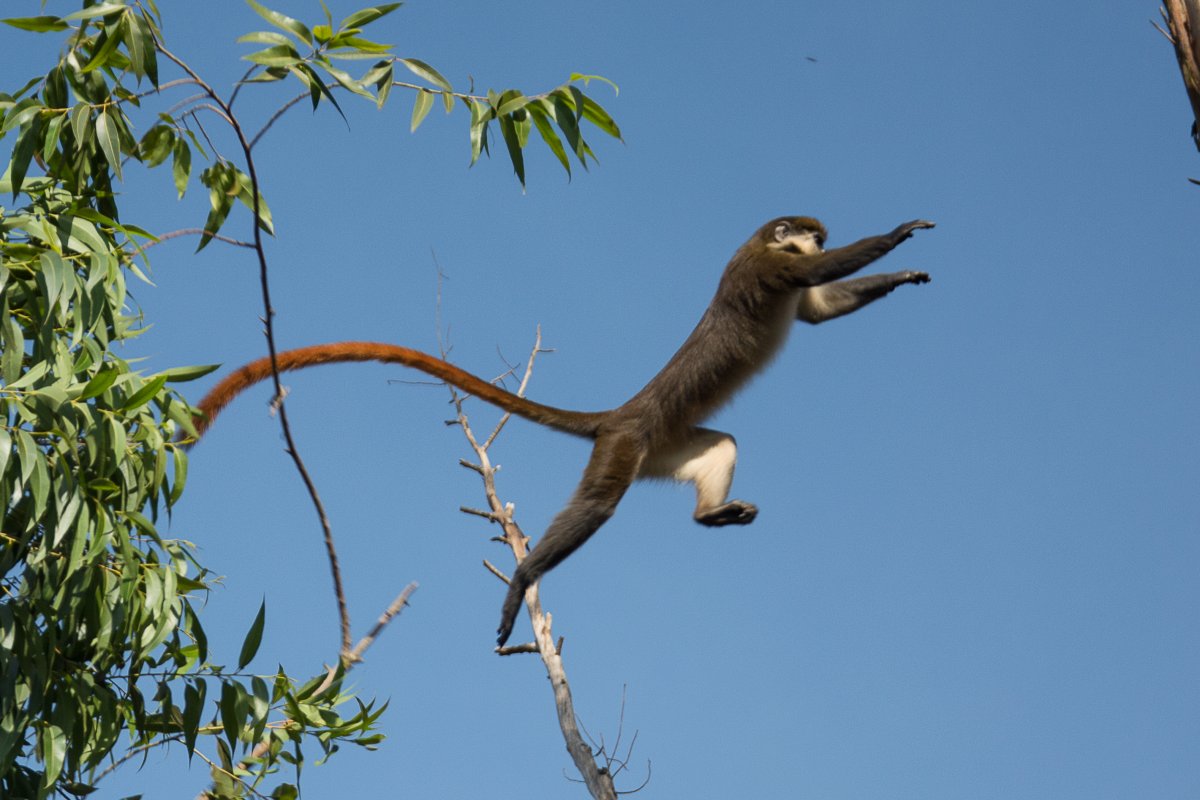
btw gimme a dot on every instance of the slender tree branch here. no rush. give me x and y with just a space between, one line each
269 332
390 613
195 232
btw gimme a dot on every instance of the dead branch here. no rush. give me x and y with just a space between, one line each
599 779
1183 29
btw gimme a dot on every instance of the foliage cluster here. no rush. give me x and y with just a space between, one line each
102 653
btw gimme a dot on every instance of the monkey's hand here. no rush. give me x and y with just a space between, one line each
914 277
906 230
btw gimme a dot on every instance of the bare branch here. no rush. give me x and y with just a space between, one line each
599 780
390 613
196 232
1183 22
497 572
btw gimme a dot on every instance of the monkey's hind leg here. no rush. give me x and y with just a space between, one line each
611 469
706 459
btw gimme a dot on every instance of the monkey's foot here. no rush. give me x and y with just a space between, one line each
735 512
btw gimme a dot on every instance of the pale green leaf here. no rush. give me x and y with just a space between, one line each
421 106
110 140
101 10
283 22
266 37
181 166
426 72
283 55
366 16
37 24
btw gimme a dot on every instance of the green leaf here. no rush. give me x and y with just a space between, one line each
231 721
184 374
110 141
156 145
365 17
37 24
221 180
180 463
421 106
145 394
481 115
246 195
57 278
101 10
193 709
283 55
383 86
426 72
181 166
266 37
508 130
510 101
106 55
99 383
253 637
542 121
81 120
596 115
569 125
143 39
345 80
23 151
5 450
53 752
283 22
21 113
365 47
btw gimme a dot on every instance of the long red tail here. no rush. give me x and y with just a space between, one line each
579 423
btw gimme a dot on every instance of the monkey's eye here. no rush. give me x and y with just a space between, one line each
781 231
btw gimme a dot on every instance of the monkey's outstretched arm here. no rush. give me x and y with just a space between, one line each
580 423
832 300
611 469
832 265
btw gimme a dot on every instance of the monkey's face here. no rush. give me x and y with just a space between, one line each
798 235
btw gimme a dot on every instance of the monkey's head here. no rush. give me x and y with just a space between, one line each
796 235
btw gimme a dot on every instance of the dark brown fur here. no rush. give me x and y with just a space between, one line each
770 282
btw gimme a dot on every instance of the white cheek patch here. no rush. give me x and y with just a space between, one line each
804 243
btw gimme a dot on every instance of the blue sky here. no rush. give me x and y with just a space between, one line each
974 570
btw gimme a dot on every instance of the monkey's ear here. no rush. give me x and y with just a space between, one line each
782 231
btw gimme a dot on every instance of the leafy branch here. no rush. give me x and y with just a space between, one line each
105 653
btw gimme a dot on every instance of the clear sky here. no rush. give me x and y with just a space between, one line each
974 573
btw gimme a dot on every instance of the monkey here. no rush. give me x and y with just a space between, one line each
780 275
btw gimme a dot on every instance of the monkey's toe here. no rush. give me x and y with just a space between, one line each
735 512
